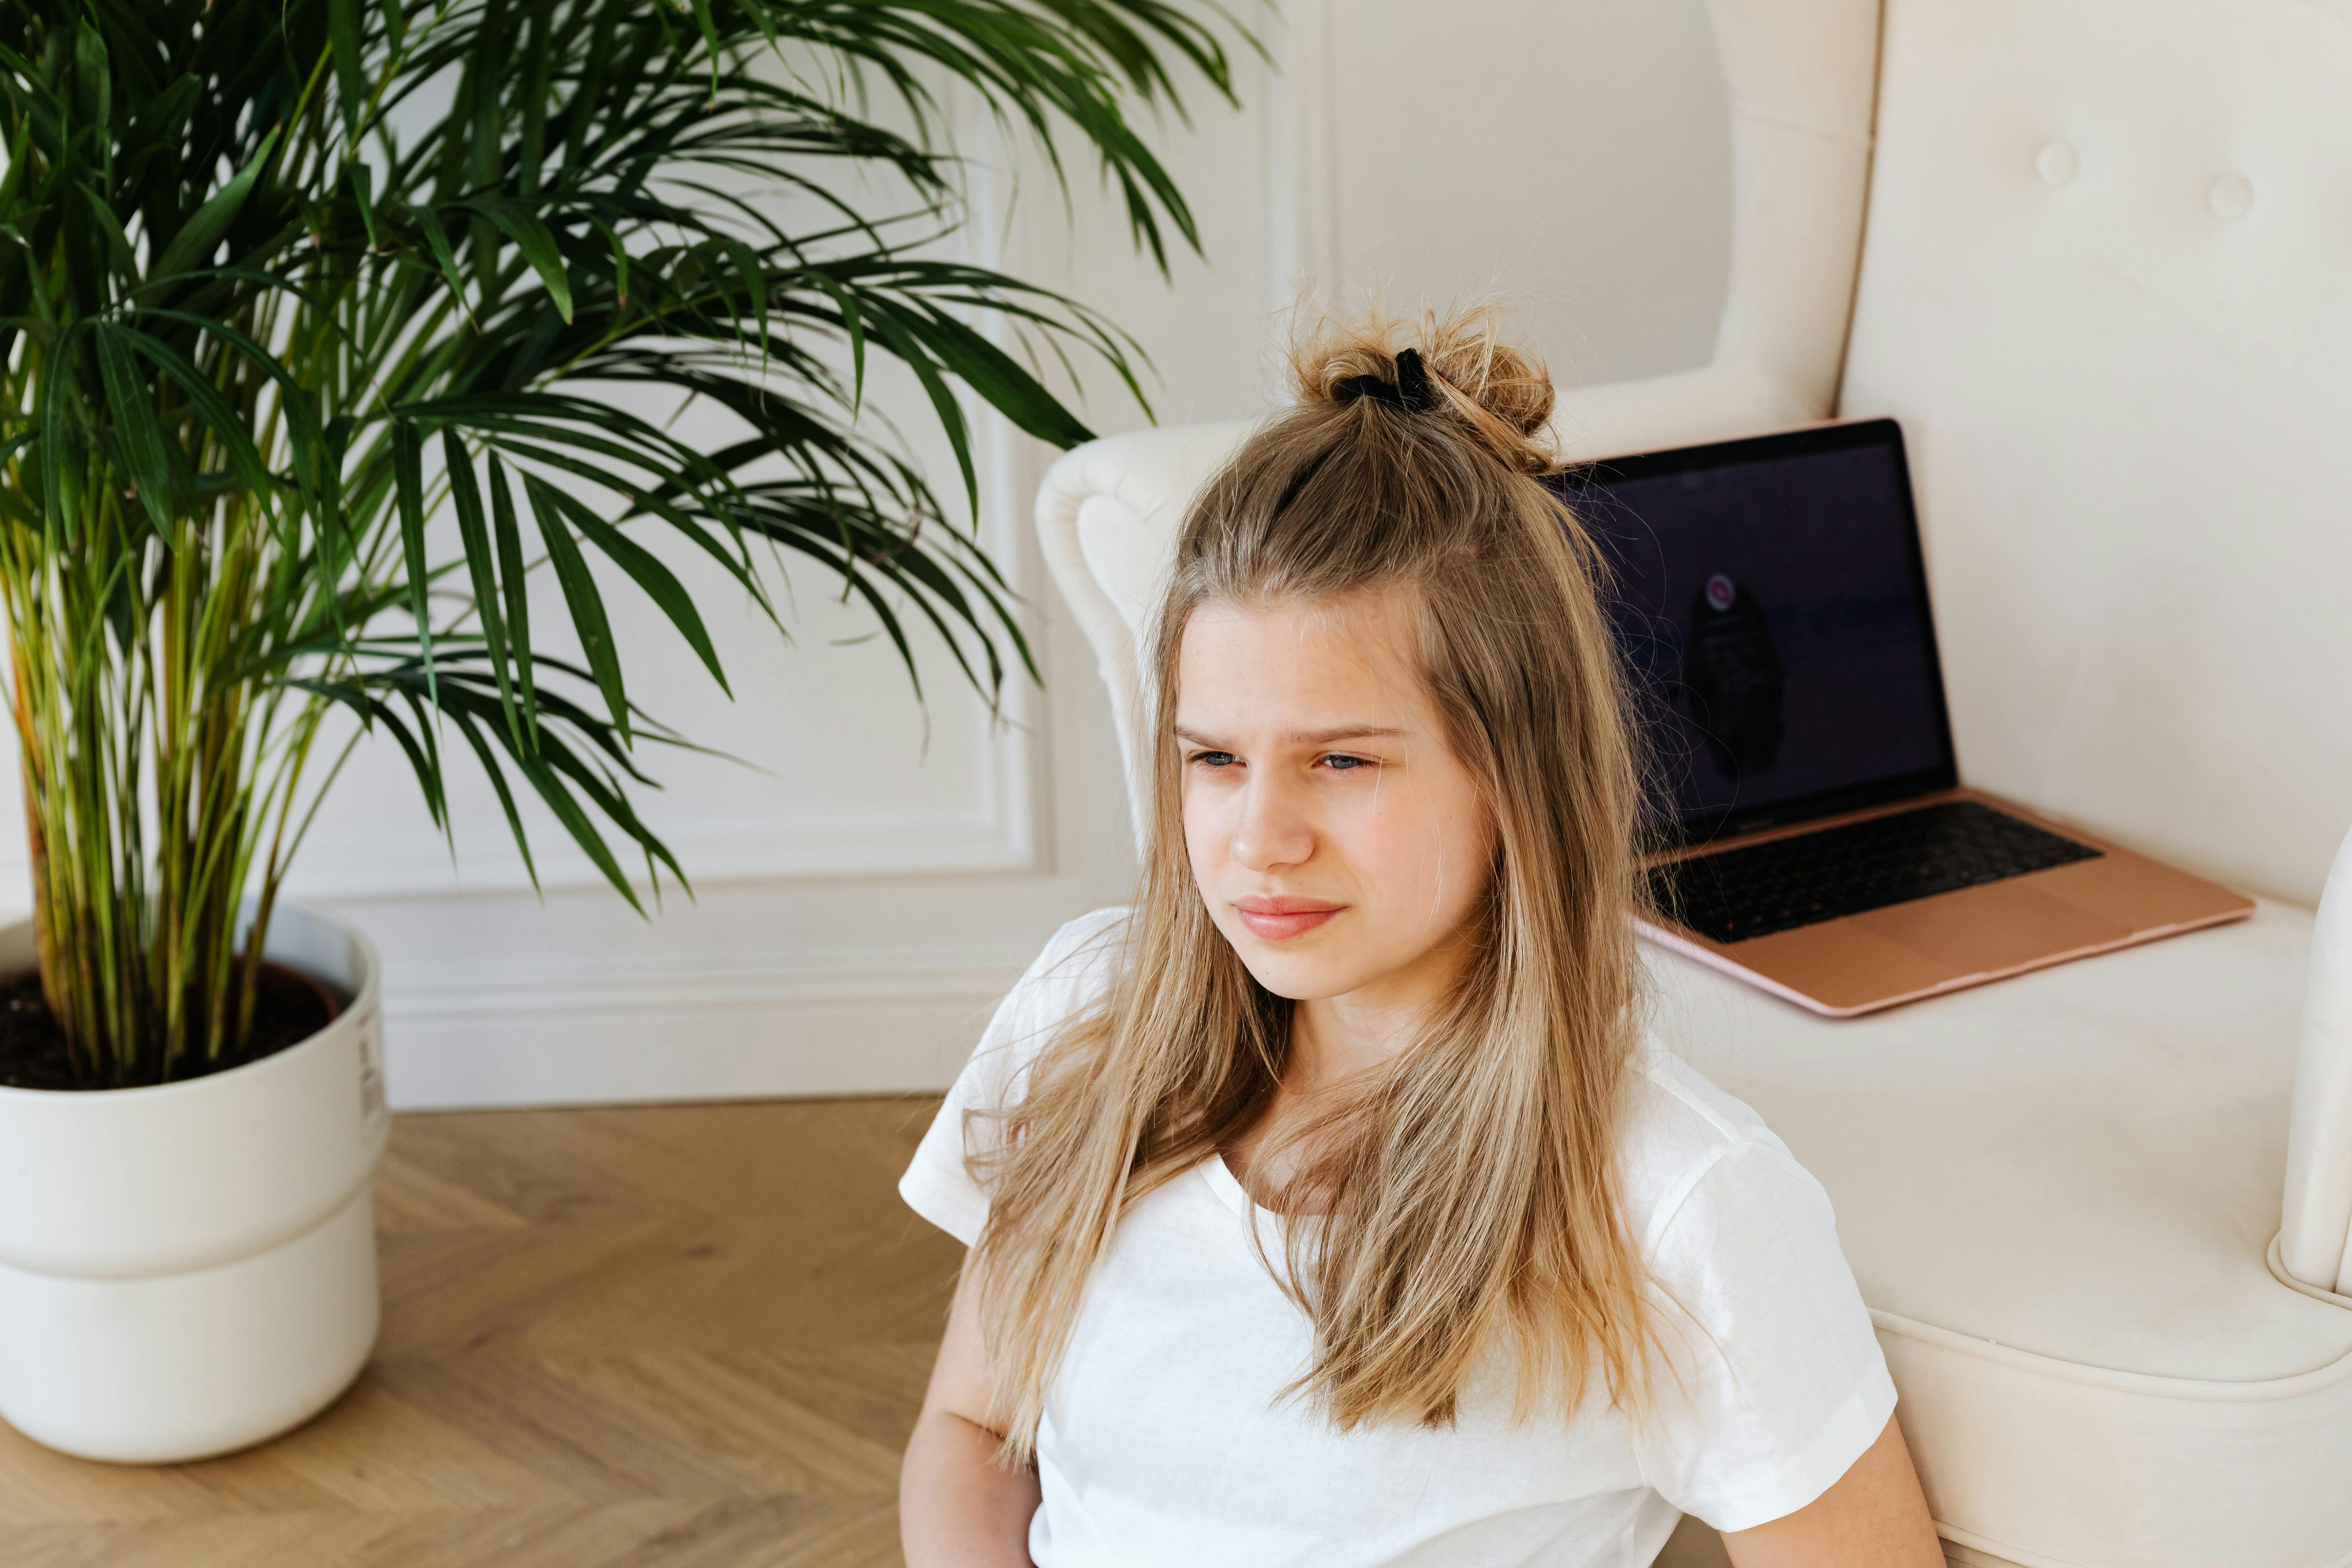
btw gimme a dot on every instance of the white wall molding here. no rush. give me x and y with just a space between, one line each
685 1031
687 1026
1303 265
685 983
830 952
714 853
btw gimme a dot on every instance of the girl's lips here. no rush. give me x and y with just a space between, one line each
1279 926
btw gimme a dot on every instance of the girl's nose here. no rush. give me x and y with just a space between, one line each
1273 827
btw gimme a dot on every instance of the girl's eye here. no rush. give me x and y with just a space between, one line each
1213 759
1347 764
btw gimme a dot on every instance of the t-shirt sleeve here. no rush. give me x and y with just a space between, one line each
1778 1383
1067 975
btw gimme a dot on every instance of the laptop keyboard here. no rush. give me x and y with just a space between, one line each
1815 876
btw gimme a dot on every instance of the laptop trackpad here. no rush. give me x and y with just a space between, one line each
1999 926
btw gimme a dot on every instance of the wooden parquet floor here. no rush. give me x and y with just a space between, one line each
642 1337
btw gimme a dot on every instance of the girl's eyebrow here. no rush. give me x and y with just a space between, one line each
1308 737
1343 732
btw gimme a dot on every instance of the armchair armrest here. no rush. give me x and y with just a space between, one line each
1107 517
2317 1218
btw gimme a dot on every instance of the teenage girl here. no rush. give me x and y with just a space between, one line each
1327 1207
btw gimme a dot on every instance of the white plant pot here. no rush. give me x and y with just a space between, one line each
191 1269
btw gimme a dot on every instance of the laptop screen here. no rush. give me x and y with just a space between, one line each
1771 607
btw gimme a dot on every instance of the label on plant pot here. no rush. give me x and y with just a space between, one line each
373 1113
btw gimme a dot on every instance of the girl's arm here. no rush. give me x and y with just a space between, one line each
1874 1517
957 1507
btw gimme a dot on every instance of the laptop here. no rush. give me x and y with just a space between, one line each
1807 830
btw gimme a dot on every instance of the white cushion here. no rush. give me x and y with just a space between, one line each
2056 1194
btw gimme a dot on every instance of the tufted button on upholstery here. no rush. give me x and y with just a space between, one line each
2057 162
2233 195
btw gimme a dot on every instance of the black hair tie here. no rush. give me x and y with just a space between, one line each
1410 391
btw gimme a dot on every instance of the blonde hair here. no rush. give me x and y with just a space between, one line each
1467 1199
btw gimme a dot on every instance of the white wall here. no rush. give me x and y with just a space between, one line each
864 901
1572 158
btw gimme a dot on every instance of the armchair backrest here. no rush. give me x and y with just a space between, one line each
2107 287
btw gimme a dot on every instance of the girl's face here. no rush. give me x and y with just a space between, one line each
1337 843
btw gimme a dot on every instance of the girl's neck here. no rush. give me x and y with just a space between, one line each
1341 1037
1334 1038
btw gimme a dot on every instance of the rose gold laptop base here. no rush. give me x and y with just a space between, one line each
1947 942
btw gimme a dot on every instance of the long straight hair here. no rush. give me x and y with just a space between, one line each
1467 1199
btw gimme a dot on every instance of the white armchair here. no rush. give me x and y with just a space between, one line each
2105 282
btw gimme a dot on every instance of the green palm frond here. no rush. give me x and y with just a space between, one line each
281 280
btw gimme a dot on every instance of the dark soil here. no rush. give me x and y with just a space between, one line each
289 1008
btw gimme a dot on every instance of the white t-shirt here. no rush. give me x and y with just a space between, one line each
1163 1443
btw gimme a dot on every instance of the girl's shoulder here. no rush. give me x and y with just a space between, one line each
1681 1134
1085 945
1071 973
1068 976
1778 1381
1075 966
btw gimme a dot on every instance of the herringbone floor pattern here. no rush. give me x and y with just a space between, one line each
649 1337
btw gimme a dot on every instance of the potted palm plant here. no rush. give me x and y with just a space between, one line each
284 281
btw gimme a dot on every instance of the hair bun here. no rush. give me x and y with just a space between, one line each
1502 393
